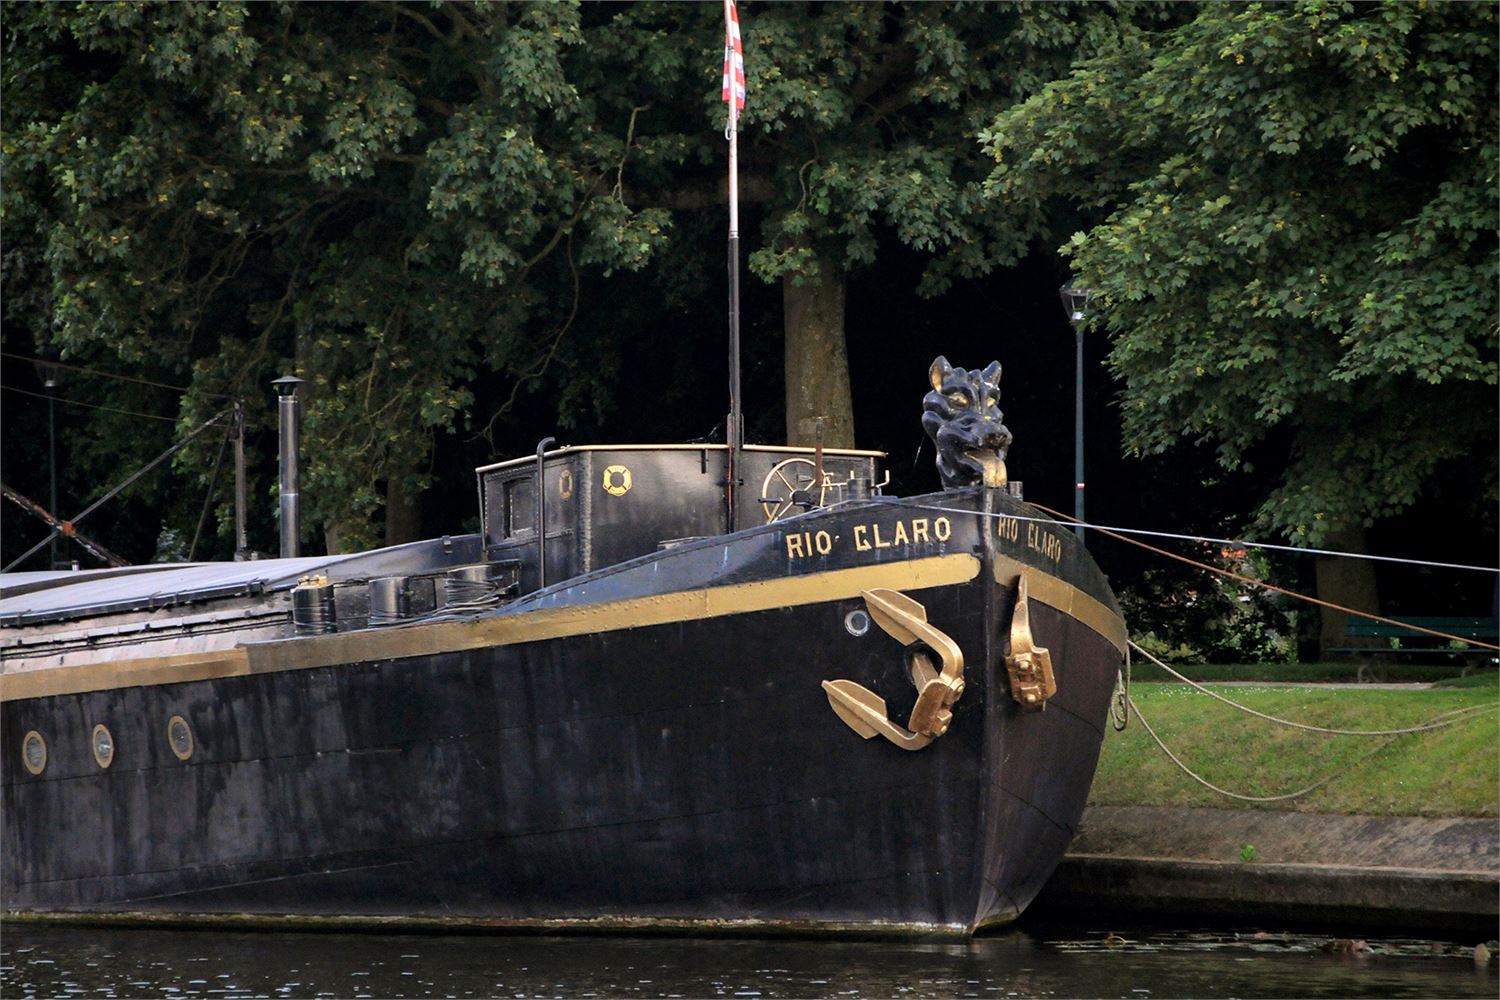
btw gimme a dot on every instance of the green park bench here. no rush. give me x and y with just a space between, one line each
1398 641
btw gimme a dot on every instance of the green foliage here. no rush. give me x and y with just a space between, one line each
866 116
1293 235
415 205
406 203
1185 615
170 547
388 199
1248 853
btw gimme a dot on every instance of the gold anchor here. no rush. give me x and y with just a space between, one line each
865 712
1029 665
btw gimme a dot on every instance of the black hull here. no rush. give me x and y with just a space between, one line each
641 755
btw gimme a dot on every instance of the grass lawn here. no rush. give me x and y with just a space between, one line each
1447 772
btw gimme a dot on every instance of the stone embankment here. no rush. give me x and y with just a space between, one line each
1419 874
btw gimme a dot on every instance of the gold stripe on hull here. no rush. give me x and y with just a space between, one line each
554 623
111 675
1063 596
446 637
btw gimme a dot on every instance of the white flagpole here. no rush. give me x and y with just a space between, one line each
735 431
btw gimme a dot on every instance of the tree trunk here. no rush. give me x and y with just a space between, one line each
817 363
1350 582
403 512
333 537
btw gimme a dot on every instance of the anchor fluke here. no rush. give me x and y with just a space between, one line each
864 712
857 706
896 613
939 687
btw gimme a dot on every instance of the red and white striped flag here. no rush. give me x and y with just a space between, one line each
734 56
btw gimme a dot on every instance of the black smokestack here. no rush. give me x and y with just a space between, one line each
290 411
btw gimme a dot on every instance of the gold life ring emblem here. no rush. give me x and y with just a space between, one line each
617 481
565 484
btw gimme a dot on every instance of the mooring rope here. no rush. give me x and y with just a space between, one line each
1297 550
1441 721
1119 709
1110 529
1301 725
1280 590
1250 798
1467 713
1224 572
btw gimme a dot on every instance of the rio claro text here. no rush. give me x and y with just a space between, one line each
872 536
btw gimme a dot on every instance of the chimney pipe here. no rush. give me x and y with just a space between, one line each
289 409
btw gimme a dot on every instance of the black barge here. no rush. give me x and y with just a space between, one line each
860 713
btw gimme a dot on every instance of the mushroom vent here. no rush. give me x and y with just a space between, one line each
312 606
390 600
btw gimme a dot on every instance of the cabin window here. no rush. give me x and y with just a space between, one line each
494 510
520 507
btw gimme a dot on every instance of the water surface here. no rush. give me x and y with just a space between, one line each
47 961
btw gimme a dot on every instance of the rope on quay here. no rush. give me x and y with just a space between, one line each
1465 712
1115 533
1251 798
1126 703
1461 714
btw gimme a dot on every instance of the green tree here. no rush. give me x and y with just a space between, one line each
1293 237
858 135
389 198
403 201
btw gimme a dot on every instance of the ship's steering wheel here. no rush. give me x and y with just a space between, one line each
796 479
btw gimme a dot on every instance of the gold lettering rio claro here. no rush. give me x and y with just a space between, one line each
873 537
870 536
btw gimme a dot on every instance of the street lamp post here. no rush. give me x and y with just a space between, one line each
1076 304
50 375
51 384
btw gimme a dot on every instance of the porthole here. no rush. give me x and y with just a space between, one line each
34 752
104 746
180 737
857 623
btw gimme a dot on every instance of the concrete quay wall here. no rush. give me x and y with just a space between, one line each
1432 875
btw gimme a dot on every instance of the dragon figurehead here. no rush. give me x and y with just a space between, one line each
962 416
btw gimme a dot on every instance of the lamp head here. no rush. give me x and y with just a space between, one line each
1075 302
49 373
